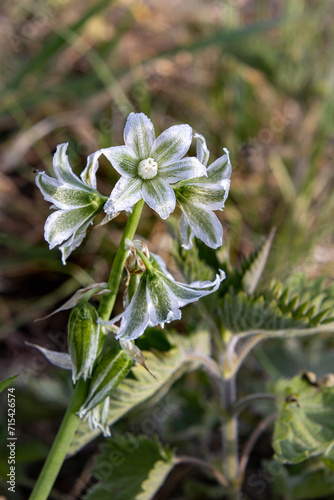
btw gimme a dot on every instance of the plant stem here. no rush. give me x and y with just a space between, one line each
60 445
230 438
71 421
108 300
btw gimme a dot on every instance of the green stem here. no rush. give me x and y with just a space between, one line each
71 421
108 300
60 445
230 439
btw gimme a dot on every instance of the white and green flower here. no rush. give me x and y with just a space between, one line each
75 199
148 165
158 299
199 198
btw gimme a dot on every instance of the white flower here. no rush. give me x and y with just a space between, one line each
158 299
148 165
77 201
198 198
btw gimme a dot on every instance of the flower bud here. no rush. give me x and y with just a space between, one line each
83 339
113 366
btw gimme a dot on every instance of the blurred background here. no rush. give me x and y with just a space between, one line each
255 76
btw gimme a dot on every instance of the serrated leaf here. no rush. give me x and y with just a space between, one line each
167 368
6 383
269 315
305 426
130 467
252 275
247 277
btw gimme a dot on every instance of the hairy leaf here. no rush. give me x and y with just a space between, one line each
305 424
130 467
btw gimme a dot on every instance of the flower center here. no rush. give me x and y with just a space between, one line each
148 168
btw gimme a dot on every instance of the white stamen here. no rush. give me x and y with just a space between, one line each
148 168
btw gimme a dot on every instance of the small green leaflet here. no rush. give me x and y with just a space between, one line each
305 424
130 467
6 383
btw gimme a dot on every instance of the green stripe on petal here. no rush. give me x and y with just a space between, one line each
188 168
135 318
171 145
125 195
88 176
220 169
123 159
75 240
62 168
204 224
162 306
186 233
64 195
202 152
207 196
139 134
62 224
159 195
185 294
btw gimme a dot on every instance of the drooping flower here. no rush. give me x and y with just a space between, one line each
199 198
148 165
159 298
75 199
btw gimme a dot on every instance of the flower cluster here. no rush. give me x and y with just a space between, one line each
156 170
153 169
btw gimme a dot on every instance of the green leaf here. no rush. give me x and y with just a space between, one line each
130 467
167 367
247 277
305 424
312 480
6 383
272 314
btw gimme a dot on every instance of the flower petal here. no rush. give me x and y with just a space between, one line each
204 224
159 195
62 195
220 169
88 176
62 168
135 318
123 159
171 145
188 168
62 224
206 196
202 151
186 294
161 305
159 264
60 359
186 233
125 194
75 241
139 134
